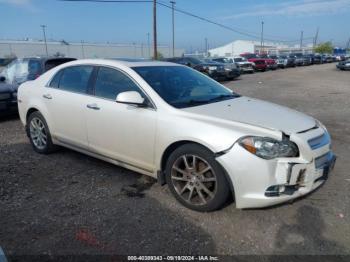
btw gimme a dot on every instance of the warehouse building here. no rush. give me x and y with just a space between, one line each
81 50
238 47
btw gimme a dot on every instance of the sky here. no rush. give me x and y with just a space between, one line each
131 22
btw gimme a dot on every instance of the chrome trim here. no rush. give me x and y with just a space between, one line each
319 141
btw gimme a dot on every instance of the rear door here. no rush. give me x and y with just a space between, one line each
66 101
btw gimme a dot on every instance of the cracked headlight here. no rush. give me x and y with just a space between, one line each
269 148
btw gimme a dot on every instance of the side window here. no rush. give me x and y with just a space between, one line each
56 79
9 72
111 82
75 79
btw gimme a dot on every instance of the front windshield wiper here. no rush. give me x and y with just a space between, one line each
194 102
223 97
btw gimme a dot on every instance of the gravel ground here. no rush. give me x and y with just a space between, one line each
68 203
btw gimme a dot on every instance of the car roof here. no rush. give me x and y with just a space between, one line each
116 62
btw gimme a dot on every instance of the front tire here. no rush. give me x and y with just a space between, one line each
196 179
39 134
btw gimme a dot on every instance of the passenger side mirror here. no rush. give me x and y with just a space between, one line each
2 79
131 98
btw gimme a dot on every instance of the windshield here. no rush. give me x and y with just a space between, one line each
183 87
240 59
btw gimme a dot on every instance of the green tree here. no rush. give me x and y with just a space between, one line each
323 48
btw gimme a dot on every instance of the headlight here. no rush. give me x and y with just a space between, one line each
269 148
213 67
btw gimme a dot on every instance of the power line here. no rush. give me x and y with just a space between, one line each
241 32
224 26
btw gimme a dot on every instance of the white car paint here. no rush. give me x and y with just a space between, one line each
136 138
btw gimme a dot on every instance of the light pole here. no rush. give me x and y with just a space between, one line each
301 40
155 30
262 37
173 20
206 46
44 27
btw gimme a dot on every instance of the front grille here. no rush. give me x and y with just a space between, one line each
4 96
319 141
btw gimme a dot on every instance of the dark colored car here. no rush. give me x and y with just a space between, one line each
213 69
307 60
20 71
344 65
298 59
233 70
317 59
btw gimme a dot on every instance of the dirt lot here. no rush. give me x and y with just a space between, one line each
68 203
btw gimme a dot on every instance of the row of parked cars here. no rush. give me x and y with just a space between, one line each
228 68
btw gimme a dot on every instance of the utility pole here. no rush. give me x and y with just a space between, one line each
348 44
44 27
316 36
301 40
155 55
82 48
262 38
173 20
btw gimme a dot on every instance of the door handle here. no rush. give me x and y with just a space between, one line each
47 96
93 106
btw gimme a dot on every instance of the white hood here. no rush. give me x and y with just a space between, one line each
257 113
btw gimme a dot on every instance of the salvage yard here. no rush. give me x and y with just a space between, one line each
68 203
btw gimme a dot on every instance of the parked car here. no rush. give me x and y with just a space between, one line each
298 59
284 61
326 58
307 60
243 64
4 62
18 72
317 59
259 64
270 61
170 122
344 65
230 66
213 69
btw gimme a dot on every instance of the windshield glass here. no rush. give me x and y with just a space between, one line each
183 87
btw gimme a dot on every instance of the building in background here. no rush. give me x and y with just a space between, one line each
81 50
238 47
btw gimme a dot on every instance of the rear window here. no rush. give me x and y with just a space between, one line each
75 79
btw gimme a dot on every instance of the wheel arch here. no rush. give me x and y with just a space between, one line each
172 147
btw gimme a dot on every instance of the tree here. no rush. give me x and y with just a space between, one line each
159 56
323 48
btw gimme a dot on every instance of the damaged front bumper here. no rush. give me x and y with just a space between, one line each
259 183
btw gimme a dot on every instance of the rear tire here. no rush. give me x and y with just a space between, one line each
39 134
199 182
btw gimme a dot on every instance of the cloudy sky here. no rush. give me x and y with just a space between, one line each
130 22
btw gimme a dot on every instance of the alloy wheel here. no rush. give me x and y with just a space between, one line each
194 179
38 133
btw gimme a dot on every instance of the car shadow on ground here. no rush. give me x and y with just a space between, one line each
11 117
80 205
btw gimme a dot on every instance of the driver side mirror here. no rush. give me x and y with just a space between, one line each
131 98
2 79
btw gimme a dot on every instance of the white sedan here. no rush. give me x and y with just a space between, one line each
177 125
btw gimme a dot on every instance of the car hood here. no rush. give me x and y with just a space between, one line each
257 113
7 88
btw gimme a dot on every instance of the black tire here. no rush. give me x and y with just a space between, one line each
220 187
46 148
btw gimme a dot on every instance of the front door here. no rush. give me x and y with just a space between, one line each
119 131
